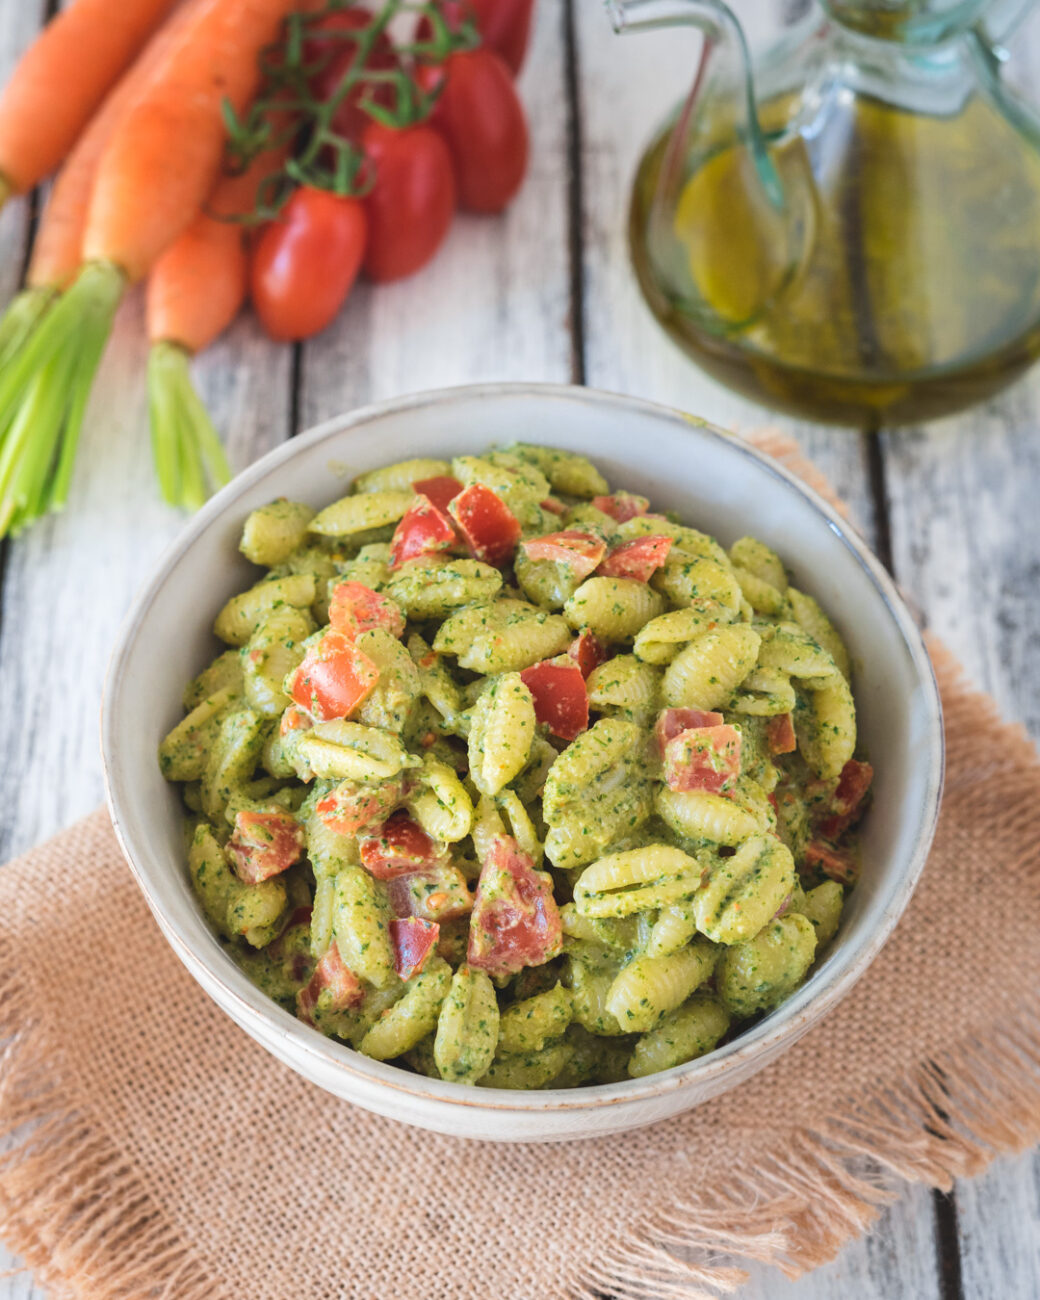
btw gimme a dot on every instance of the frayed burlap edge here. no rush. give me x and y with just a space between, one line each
805 1200
71 1204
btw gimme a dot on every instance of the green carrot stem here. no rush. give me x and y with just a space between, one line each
189 459
44 387
20 319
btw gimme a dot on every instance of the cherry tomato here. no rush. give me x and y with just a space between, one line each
480 115
561 699
423 530
329 51
305 263
490 528
580 552
638 558
412 201
504 25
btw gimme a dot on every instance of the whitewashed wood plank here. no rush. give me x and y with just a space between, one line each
627 86
895 1262
70 580
965 542
493 303
18 25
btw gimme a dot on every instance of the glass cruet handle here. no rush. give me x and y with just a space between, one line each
725 68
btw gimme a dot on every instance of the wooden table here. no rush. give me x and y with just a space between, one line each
545 293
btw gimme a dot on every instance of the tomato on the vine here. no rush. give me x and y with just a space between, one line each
329 51
305 262
504 25
480 116
412 201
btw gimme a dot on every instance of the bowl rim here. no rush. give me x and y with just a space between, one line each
265 1019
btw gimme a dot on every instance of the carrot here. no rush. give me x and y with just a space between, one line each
58 245
62 78
195 291
152 179
162 161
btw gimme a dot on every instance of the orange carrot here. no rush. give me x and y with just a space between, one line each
58 247
197 286
195 290
61 80
163 159
152 179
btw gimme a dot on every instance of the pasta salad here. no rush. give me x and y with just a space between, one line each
514 781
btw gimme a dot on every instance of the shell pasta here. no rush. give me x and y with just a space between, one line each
507 778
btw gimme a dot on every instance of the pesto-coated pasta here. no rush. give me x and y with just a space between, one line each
519 822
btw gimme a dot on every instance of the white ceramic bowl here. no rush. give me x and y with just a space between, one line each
715 482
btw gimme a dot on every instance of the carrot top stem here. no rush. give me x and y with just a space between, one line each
189 459
43 395
21 317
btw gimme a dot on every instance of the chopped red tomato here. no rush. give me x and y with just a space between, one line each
490 528
580 552
587 651
349 806
847 801
780 734
670 722
560 698
334 678
515 920
435 894
413 940
440 489
397 846
264 844
838 864
295 719
338 981
637 559
355 608
703 758
622 506
424 529
553 506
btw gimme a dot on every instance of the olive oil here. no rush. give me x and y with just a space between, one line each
913 289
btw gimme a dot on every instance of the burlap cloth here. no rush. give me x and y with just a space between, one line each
152 1149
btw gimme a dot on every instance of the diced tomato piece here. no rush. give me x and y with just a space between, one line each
670 722
490 528
780 734
560 698
515 921
331 974
580 552
424 529
553 506
622 506
847 801
413 940
436 894
334 678
264 844
439 489
397 846
355 608
587 651
838 864
350 806
637 559
703 758
295 719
